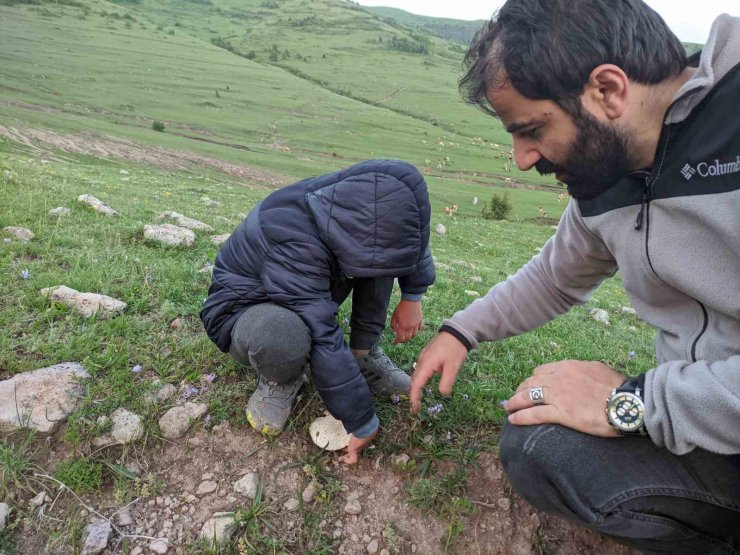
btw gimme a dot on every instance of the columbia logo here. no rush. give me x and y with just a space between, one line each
688 172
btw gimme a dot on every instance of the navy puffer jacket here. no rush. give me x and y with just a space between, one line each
369 220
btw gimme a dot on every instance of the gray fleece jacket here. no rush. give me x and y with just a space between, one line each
674 234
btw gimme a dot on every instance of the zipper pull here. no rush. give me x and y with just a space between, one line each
641 214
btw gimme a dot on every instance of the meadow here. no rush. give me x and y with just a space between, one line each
80 90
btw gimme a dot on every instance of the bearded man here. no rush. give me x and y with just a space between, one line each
601 94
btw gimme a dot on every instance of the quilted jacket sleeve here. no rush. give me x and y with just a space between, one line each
297 275
418 282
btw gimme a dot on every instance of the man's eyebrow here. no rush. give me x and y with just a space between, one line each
514 127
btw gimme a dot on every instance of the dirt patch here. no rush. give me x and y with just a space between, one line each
502 523
44 142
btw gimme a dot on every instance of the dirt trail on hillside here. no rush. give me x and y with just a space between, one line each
43 142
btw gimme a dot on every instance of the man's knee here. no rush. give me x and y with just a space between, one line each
541 465
273 340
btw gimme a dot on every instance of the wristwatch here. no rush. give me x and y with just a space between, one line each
625 409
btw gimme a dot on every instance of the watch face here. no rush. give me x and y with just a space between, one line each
626 411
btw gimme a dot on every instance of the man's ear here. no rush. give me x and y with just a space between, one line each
606 91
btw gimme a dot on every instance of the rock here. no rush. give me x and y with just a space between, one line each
127 426
4 512
176 421
20 233
39 499
206 487
59 211
439 229
219 528
219 239
476 279
41 399
123 517
384 551
443 267
470 293
353 506
290 505
184 221
176 324
97 205
247 485
169 234
87 304
123 172
328 433
629 310
210 202
206 269
160 546
166 392
600 315
311 490
96 537
137 550
401 460
372 547
504 504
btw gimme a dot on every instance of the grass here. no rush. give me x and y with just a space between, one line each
17 454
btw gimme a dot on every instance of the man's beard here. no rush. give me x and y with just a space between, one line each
598 158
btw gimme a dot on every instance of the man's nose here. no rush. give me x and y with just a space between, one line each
525 154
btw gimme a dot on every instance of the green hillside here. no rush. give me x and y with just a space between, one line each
456 30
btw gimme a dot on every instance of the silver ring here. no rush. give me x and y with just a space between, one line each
536 395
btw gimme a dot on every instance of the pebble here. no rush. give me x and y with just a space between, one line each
20 233
372 547
206 487
247 485
123 518
39 499
159 546
4 512
504 503
439 229
291 504
353 507
310 492
96 537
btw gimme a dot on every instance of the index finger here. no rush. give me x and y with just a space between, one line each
421 377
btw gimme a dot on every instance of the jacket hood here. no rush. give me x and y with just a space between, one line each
374 218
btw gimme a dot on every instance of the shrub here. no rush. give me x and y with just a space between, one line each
251 55
498 208
158 126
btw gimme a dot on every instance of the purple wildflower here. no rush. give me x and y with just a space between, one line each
25 274
465 397
7 240
435 409
207 419
136 369
396 398
632 354
189 391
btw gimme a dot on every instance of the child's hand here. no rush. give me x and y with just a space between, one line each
356 444
407 321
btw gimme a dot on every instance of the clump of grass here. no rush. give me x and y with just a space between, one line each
158 126
81 475
16 463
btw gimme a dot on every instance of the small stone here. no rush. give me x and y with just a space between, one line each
184 221
310 492
219 239
169 234
337 534
372 547
210 202
291 504
166 392
328 433
176 324
123 172
206 476
600 315
160 501
96 537
504 503
137 550
439 229
384 551
206 487
176 421
413 548
219 528
476 279
247 485
87 304
471 293
123 517
353 507
127 426
629 310
97 205
39 499
160 546
20 233
4 512
59 212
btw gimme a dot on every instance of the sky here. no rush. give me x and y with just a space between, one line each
690 20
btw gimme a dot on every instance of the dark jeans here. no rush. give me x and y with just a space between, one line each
628 488
277 343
